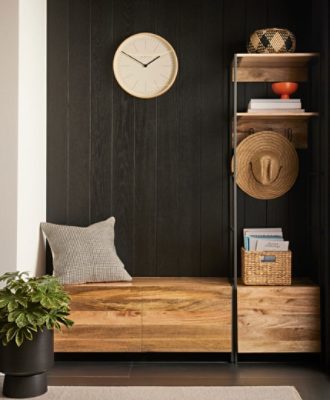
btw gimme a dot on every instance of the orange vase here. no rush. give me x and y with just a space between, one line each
284 89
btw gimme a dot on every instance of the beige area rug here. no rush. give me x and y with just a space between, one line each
170 393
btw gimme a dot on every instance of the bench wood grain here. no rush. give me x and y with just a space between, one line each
149 315
279 318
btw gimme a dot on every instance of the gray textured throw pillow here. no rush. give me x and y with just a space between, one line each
83 255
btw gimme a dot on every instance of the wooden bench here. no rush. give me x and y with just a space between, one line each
149 315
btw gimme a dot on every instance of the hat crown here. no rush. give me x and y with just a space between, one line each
266 165
265 168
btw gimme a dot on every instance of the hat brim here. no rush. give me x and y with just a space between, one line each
266 141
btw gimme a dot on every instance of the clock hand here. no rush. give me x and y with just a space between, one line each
134 59
154 59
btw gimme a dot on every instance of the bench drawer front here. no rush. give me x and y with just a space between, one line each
278 319
187 318
106 320
149 315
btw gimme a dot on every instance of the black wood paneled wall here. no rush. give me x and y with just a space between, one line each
159 166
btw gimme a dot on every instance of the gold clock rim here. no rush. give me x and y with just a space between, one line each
132 93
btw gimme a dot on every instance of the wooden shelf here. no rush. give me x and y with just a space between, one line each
273 67
275 60
276 115
292 125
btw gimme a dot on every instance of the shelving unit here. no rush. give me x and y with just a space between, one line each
249 68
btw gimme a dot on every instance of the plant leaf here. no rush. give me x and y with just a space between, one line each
30 318
67 322
21 320
22 302
4 302
12 316
33 328
19 338
12 305
49 325
28 334
10 333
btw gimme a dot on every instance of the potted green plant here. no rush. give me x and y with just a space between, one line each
30 309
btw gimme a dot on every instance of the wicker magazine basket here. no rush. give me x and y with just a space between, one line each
266 267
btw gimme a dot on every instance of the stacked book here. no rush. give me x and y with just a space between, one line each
275 105
264 239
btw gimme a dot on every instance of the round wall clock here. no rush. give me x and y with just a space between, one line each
145 65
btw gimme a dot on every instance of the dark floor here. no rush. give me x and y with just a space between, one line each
309 380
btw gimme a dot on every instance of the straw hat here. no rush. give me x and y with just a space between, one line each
267 165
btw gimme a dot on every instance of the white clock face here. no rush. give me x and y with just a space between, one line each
145 65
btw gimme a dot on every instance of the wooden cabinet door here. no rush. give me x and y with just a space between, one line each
187 315
107 318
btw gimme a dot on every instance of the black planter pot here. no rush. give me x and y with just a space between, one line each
25 367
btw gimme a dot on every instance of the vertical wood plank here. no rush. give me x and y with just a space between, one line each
190 137
79 113
318 145
298 217
168 128
122 194
234 41
214 144
279 14
145 162
225 135
102 50
309 243
57 110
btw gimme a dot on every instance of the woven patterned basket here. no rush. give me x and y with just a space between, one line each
272 40
255 271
